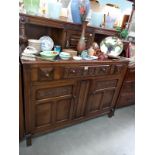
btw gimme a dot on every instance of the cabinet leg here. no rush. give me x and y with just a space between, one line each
111 113
28 139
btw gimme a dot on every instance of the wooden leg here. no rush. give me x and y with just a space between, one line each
28 140
111 113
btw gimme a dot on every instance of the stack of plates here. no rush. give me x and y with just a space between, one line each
35 44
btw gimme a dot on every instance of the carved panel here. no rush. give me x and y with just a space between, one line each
45 73
105 84
63 108
53 92
43 114
117 69
103 70
107 98
82 99
70 72
95 102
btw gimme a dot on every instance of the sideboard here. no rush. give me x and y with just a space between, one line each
58 94
62 93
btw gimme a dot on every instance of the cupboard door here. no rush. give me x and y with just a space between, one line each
73 37
83 90
101 95
52 105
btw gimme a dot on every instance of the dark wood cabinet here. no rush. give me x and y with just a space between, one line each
58 94
62 93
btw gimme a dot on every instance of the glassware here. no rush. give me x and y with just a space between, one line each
32 6
54 9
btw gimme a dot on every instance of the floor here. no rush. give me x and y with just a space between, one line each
99 136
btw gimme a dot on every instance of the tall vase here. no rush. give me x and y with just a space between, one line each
79 10
81 46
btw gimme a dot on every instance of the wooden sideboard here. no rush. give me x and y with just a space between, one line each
61 93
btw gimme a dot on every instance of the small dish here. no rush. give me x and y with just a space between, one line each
77 58
65 56
46 43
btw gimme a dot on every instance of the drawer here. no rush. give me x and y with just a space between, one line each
42 73
50 73
100 70
83 71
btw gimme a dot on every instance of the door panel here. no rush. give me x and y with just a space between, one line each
63 110
43 114
82 98
52 104
101 95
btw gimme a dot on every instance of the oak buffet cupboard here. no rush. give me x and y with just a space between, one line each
62 93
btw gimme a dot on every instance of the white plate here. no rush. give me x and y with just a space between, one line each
46 43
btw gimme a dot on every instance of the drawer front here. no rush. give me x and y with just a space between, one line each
42 74
83 71
45 73
50 73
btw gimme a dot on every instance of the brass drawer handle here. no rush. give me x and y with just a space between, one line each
47 75
103 69
73 71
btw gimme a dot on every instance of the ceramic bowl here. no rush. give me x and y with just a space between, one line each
49 54
65 56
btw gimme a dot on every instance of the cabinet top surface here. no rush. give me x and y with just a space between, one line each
72 62
39 20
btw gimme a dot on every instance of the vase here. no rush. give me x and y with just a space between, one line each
81 46
79 10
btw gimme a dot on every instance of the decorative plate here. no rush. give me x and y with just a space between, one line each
111 46
46 43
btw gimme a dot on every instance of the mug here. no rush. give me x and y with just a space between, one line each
57 48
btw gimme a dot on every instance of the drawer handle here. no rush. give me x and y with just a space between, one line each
74 96
103 69
73 71
47 75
